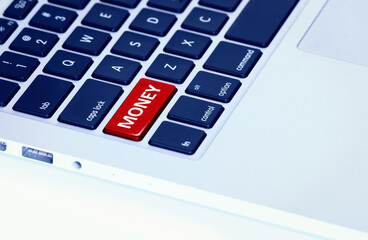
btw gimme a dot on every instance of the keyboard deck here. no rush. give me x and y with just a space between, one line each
162 74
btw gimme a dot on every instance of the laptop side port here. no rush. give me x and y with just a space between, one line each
37 155
3 146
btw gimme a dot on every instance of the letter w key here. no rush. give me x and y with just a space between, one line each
88 41
86 38
140 109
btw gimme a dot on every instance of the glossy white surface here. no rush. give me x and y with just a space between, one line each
38 202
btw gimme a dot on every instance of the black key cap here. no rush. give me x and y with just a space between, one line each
170 68
188 44
44 96
205 21
117 70
226 5
19 9
16 66
123 3
195 112
153 22
213 87
177 138
68 65
77 4
7 92
34 42
135 45
106 17
88 41
257 24
53 18
91 104
170 5
7 27
233 59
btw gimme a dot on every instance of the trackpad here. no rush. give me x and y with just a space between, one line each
340 31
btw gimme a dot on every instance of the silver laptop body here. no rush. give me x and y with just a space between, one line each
291 147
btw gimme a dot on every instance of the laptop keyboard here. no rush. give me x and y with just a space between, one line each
120 83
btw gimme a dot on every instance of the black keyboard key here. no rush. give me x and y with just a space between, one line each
105 17
7 92
135 45
226 5
17 67
7 27
170 68
213 87
123 3
177 138
53 18
257 24
153 22
118 70
205 21
90 104
19 9
87 41
77 4
196 112
188 44
170 5
34 42
44 96
233 59
68 65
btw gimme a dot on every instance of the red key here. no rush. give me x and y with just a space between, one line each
140 109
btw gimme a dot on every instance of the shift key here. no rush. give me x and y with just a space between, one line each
91 104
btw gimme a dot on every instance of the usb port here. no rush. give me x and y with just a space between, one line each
3 146
37 155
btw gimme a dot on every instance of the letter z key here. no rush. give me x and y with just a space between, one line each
140 109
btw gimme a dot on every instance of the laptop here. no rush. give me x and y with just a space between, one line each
255 107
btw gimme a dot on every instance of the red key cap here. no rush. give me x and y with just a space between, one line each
140 109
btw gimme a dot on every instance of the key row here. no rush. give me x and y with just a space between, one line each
135 116
19 9
92 42
91 104
110 18
204 84
255 25
227 58
132 120
45 94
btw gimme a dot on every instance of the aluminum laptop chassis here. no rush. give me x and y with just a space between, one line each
292 153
